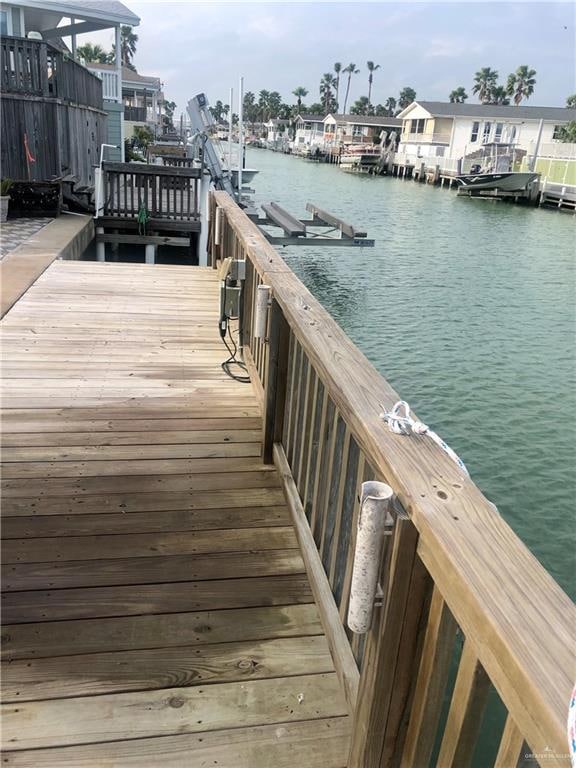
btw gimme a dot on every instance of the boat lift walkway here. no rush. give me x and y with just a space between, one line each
156 607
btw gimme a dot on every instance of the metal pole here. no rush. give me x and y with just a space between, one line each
240 135
230 127
537 147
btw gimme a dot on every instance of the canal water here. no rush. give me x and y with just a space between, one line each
467 307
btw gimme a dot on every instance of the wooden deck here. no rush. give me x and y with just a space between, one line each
156 608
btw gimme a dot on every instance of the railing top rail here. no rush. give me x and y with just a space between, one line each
518 619
152 170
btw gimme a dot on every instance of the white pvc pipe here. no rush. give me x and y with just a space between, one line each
261 311
240 136
373 522
230 127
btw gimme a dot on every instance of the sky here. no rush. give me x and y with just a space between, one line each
433 47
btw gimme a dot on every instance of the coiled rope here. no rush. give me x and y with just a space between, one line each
401 423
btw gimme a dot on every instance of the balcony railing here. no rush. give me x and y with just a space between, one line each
35 68
426 138
110 83
135 114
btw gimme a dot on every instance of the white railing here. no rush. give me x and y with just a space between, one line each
110 83
558 150
426 138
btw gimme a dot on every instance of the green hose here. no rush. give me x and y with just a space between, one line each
143 218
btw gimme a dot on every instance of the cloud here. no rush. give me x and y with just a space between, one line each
452 48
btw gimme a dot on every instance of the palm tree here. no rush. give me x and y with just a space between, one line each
521 83
371 69
499 95
94 53
390 106
350 70
458 95
128 40
300 93
406 97
485 80
571 101
337 69
326 84
361 106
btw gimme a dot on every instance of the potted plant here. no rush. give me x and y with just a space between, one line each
5 185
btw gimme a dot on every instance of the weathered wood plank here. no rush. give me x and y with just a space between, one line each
133 523
168 630
149 570
170 711
313 744
87 603
156 668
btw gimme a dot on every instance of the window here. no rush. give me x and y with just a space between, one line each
498 132
512 134
486 132
329 128
4 23
356 130
16 29
417 126
474 134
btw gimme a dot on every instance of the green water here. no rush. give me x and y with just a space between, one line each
467 307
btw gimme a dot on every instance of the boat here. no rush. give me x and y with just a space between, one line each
360 158
494 171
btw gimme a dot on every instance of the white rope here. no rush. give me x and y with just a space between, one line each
401 423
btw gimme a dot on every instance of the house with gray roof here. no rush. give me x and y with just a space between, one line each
358 129
434 129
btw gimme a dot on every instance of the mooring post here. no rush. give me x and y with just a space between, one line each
100 245
150 253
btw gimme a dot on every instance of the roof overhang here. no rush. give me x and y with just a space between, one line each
95 15
411 107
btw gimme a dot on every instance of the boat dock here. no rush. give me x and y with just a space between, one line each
178 546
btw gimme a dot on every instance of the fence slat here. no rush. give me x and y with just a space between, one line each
390 650
466 709
512 747
430 684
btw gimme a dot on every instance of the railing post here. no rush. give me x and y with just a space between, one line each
392 652
275 384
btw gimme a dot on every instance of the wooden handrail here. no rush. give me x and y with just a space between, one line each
518 622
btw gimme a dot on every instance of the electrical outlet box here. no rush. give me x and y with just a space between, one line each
229 301
238 269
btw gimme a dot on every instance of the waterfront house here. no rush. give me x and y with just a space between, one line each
444 134
44 27
277 132
308 133
142 98
357 129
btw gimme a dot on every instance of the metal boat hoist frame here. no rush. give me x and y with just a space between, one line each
296 231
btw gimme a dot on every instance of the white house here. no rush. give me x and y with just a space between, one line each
309 132
276 130
357 129
142 98
433 129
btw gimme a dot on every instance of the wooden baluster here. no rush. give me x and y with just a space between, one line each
333 482
41 61
466 709
431 683
325 474
391 652
304 424
513 748
275 393
343 525
312 459
309 419
296 374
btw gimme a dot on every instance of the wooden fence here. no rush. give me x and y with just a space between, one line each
458 585
35 68
167 193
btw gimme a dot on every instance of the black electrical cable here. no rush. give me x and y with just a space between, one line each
227 364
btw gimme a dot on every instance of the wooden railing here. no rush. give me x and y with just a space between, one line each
35 68
135 114
165 193
458 585
175 161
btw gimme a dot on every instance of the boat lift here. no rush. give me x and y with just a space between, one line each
301 231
